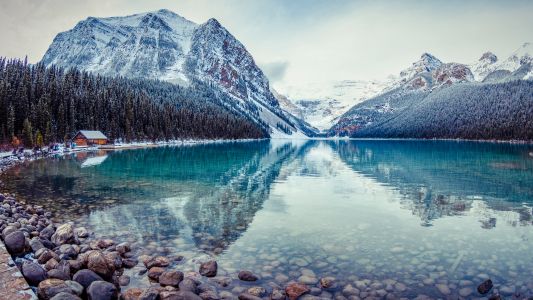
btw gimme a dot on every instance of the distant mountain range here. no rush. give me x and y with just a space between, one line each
325 105
431 99
164 46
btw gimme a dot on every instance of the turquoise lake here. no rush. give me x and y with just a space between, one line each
405 218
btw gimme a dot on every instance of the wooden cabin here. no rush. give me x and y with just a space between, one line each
86 138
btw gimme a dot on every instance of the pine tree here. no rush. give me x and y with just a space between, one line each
27 133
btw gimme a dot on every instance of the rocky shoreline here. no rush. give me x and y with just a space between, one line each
61 262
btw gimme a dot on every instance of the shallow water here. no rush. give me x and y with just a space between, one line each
424 215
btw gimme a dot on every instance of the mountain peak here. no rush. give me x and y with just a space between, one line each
213 22
488 57
429 60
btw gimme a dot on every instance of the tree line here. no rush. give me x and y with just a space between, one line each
41 105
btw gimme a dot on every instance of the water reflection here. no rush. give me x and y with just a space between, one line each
441 178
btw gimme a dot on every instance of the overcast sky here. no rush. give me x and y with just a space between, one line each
302 41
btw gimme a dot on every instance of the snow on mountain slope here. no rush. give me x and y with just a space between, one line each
320 104
489 63
413 84
164 46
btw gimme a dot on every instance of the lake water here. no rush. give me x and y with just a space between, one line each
403 218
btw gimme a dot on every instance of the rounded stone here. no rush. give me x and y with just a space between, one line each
155 272
209 268
33 273
85 277
295 290
48 288
102 290
15 242
65 296
247 276
63 234
171 278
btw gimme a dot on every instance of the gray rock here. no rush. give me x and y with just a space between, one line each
102 290
15 242
75 287
485 287
183 295
55 273
65 296
48 288
63 234
171 278
124 280
187 285
36 244
129 263
33 273
209 268
247 276
85 277
247 296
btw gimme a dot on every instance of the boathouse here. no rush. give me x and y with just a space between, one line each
89 137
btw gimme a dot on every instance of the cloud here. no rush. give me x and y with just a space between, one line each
275 71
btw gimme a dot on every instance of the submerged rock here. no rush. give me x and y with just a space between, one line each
485 287
209 268
171 278
295 290
247 276
155 272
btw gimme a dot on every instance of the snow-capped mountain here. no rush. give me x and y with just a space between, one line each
489 63
323 104
320 104
424 84
164 46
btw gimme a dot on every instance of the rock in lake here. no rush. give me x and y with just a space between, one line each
295 290
124 280
485 287
171 278
155 272
102 290
15 242
209 268
247 296
85 277
132 294
327 283
64 234
247 276
158 261
33 272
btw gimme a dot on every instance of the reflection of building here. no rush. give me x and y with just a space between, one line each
93 161
89 137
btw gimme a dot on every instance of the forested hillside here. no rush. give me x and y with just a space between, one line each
469 111
40 105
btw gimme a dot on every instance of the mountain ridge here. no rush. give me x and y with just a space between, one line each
162 45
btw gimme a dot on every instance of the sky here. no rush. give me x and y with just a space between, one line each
298 42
